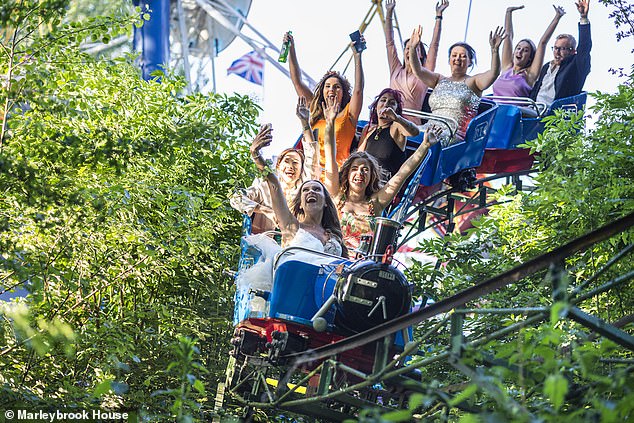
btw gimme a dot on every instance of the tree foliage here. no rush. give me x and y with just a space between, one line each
113 217
559 370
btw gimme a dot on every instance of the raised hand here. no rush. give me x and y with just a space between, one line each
288 37
389 6
583 6
513 8
261 140
495 38
432 135
331 109
441 6
416 36
354 50
302 111
559 11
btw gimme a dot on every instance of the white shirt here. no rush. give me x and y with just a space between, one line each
546 92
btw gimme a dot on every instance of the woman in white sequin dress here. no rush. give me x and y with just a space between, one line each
458 95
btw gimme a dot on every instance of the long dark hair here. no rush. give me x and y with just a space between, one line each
330 218
374 184
374 117
470 52
316 113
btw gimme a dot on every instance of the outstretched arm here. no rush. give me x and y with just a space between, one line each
507 45
538 61
392 57
311 168
484 80
386 194
432 54
296 73
284 217
331 110
429 78
356 101
582 59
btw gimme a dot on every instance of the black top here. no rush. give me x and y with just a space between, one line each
381 145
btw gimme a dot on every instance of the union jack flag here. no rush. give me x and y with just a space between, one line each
250 67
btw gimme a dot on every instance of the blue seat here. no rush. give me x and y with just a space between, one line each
511 129
444 162
293 296
506 131
533 127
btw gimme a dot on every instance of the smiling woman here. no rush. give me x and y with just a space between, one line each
255 200
336 87
312 213
359 193
521 66
458 95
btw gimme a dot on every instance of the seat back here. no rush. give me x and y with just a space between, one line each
468 152
531 128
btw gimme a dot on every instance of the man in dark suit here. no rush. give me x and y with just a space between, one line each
565 75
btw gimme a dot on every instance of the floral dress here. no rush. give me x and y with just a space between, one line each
355 225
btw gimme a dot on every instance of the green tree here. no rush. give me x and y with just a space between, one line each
113 216
556 371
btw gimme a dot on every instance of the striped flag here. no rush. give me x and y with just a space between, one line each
250 67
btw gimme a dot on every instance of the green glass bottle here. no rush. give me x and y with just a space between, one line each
284 50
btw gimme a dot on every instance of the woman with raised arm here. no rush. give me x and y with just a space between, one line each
311 219
292 167
358 191
385 136
458 95
336 86
401 76
521 66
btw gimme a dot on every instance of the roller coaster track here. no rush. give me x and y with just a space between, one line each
338 400
511 276
343 391
457 202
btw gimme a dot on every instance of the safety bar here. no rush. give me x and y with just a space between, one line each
287 250
539 107
450 123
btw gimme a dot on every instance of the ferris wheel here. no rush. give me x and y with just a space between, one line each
198 30
201 29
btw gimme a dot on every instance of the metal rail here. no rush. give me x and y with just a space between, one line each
510 276
523 103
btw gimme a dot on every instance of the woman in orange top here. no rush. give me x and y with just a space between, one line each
332 86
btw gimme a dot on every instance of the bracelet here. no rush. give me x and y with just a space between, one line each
439 17
307 128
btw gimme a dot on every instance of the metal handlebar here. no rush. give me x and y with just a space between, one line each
450 123
539 107
289 250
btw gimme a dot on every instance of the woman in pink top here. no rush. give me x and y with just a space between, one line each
521 66
401 76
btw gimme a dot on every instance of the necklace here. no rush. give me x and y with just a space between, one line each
378 131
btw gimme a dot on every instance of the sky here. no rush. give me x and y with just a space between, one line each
321 31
